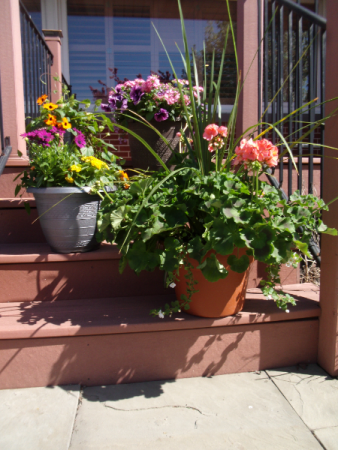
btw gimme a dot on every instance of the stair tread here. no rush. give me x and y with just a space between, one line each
41 252
23 320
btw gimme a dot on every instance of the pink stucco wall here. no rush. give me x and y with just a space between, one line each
12 79
328 335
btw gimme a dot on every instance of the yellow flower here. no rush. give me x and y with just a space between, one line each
87 158
75 168
66 124
124 175
51 120
69 179
41 99
50 106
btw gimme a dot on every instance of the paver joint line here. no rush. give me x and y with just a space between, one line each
312 431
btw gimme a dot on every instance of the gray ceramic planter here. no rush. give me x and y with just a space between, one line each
67 221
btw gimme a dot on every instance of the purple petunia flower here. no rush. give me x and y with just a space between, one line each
161 115
136 94
79 139
105 107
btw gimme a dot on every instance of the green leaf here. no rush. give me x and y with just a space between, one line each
331 231
117 216
17 189
122 264
98 102
86 102
224 246
103 222
238 265
212 269
174 216
169 261
140 258
27 207
231 213
195 248
149 116
19 153
303 247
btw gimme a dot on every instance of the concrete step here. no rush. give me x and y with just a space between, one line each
32 272
115 340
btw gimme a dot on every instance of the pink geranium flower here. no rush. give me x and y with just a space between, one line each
223 131
210 132
263 151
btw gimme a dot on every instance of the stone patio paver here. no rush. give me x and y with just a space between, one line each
37 418
328 437
241 411
312 393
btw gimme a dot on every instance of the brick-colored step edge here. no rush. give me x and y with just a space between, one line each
36 253
131 315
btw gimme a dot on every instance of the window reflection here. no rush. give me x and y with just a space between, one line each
109 41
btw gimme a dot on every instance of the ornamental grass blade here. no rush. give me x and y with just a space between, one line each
284 142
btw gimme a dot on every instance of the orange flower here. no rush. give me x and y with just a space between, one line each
126 186
66 124
124 175
59 124
50 106
51 120
41 99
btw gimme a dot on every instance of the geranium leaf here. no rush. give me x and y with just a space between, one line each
212 269
238 265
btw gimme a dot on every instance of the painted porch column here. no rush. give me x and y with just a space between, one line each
12 80
328 324
247 45
53 40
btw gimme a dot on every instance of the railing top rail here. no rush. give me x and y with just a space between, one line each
315 18
37 32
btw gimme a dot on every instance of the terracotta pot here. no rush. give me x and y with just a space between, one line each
219 299
140 155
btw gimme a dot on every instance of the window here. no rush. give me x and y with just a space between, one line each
111 40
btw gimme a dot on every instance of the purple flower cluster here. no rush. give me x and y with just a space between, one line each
116 100
79 139
39 137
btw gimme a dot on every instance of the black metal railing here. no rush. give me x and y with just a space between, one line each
5 149
293 75
37 60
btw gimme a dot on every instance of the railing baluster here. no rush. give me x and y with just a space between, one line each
273 66
290 90
300 100
37 60
279 86
312 110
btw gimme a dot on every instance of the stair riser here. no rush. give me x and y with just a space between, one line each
16 227
85 280
75 280
136 357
